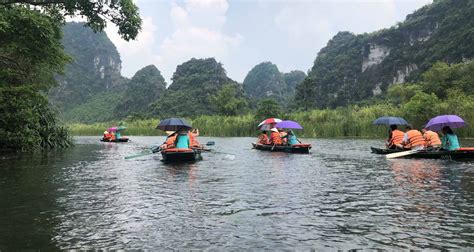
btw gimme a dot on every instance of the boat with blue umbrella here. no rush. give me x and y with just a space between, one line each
178 155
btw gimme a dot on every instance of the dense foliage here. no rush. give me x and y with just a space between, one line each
29 59
266 81
194 83
229 101
352 68
146 87
123 13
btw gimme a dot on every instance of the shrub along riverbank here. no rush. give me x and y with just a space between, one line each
348 122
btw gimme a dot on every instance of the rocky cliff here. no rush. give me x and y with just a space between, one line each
352 67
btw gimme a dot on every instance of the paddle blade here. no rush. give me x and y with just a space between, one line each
401 154
148 152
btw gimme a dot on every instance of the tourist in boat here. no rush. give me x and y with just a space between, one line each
449 141
194 143
432 140
263 138
275 138
182 139
112 137
413 139
283 136
107 136
170 140
395 138
292 139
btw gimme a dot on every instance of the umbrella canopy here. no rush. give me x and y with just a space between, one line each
112 129
173 124
288 125
121 128
389 120
439 122
265 124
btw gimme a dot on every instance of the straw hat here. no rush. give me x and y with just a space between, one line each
169 132
274 129
106 132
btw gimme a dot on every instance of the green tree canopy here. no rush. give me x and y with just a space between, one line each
228 101
268 108
123 13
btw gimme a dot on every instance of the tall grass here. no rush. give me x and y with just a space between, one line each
342 122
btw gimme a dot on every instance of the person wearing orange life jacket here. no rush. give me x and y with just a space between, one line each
169 142
263 138
413 139
275 138
395 138
432 139
283 136
193 142
107 136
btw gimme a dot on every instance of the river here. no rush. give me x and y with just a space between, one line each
340 197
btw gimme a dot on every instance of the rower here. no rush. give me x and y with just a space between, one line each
395 138
413 139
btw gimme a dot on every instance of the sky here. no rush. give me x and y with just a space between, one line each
243 33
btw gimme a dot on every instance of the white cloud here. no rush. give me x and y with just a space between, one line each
197 33
135 54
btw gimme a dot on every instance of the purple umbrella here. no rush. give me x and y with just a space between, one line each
288 125
439 122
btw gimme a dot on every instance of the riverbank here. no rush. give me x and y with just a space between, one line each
350 122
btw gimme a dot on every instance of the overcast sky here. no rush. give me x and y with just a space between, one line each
242 34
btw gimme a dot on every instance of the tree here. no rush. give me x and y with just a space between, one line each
123 13
267 108
421 108
227 101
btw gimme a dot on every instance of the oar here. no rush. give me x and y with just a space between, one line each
143 153
401 154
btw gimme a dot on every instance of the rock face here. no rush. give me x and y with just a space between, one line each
352 67
95 67
266 81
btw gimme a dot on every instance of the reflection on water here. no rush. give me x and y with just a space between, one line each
341 196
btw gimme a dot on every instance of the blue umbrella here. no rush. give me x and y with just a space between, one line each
389 120
173 124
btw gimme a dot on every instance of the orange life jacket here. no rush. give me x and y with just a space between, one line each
170 141
112 137
397 137
192 140
107 136
431 138
263 139
415 138
275 138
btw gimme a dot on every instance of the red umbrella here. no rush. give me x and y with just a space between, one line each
265 125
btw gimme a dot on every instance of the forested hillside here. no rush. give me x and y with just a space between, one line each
352 68
265 81
95 67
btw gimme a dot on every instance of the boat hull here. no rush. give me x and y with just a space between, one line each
302 149
189 155
121 140
458 155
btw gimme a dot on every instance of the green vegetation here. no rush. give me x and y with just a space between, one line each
265 81
31 56
353 68
229 101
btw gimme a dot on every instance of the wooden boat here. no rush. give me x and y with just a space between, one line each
462 154
121 140
296 148
175 155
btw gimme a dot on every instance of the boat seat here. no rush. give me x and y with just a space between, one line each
178 150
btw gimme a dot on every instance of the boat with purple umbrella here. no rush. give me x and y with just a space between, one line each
301 148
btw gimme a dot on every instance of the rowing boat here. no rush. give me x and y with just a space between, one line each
175 155
463 154
296 148
121 140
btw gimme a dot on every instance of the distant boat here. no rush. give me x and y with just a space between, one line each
121 140
296 148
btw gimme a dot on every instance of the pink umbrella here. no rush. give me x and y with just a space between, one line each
111 129
265 124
